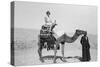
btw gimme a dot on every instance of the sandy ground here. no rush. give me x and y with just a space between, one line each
29 56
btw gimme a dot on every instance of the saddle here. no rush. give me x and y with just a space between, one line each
45 32
46 35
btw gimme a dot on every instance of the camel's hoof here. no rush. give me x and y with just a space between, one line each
64 60
54 62
41 60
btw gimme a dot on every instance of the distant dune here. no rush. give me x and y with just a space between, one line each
26 38
25 34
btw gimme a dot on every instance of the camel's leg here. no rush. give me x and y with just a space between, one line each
62 49
40 53
55 52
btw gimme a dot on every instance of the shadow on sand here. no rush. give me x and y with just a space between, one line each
50 57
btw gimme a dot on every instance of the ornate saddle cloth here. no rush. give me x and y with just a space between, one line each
45 31
47 36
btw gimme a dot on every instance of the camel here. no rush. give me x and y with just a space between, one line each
41 44
60 40
66 39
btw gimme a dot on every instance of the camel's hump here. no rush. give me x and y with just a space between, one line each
60 33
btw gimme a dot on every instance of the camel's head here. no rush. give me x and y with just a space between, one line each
80 32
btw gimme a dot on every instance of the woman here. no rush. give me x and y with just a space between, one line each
50 39
48 21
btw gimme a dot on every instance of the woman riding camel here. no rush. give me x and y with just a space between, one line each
47 29
48 21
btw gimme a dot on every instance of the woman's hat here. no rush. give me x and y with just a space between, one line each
48 12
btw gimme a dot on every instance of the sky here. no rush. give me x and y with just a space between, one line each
30 15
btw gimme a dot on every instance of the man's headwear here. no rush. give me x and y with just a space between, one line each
85 34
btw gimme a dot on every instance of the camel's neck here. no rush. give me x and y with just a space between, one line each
71 39
74 37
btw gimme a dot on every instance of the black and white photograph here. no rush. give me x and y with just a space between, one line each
50 33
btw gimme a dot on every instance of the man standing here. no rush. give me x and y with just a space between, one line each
85 48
